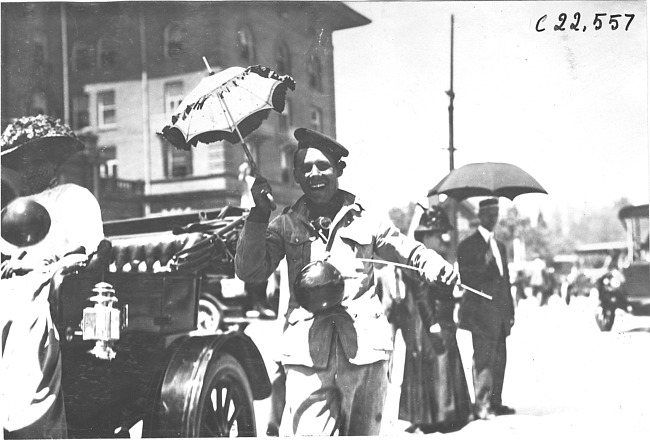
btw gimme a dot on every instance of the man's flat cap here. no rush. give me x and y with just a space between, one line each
312 139
488 203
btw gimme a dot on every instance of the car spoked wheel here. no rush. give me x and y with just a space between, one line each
605 318
226 405
209 316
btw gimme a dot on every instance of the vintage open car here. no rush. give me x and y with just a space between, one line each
131 348
626 286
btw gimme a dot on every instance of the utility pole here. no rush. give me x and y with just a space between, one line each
65 61
451 95
453 206
146 124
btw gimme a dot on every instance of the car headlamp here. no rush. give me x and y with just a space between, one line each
615 282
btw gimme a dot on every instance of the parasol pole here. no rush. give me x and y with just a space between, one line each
249 156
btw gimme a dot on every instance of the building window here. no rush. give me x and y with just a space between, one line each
286 157
80 113
177 163
286 117
245 45
173 40
173 97
282 60
108 169
106 109
38 104
216 157
108 165
107 54
83 56
181 163
316 119
315 72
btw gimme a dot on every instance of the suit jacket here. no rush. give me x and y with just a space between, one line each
478 314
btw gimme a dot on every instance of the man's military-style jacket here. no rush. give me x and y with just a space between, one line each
361 325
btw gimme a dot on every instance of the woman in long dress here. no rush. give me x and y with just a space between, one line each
434 395
34 148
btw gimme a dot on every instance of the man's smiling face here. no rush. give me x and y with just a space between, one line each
317 174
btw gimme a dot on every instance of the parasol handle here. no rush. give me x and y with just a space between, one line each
254 171
249 156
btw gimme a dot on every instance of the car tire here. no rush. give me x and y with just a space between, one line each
210 315
226 408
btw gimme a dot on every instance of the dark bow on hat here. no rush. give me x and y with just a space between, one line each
434 219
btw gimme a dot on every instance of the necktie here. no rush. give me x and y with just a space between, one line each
495 251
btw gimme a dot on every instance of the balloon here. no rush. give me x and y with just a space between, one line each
319 286
25 222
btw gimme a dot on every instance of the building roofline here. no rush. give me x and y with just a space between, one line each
349 17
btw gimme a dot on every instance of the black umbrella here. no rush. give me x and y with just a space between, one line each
489 179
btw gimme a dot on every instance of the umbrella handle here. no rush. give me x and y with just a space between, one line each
249 156
255 172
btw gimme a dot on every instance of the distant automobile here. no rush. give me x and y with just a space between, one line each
626 286
594 260
563 266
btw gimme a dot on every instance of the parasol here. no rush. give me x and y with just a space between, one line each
228 105
492 179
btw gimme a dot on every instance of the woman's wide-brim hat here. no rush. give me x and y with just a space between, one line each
38 135
434 220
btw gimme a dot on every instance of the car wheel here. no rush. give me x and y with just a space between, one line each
226 405
210 316
605 318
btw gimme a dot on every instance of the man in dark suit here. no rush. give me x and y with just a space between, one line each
483 265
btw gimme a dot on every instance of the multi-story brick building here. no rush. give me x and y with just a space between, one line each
116 71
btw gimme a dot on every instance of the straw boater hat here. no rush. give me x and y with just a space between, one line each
38 135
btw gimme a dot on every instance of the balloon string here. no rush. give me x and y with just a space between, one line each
406 266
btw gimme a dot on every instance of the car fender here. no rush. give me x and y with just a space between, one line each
191 356
183 378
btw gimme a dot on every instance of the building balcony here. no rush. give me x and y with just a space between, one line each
193 184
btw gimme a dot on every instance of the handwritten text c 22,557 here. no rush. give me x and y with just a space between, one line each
600 21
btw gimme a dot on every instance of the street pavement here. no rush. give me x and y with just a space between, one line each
565 378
